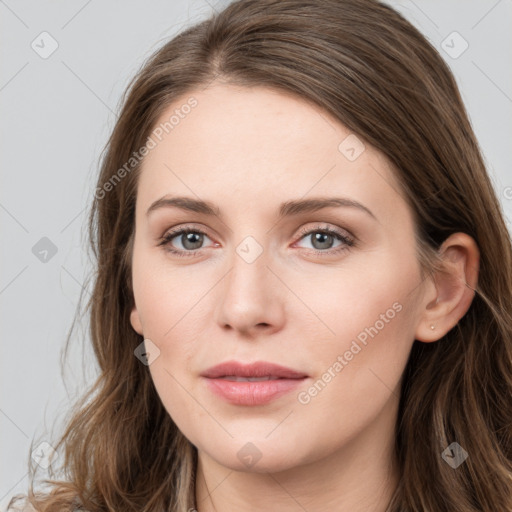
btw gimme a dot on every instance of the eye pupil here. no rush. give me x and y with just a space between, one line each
195 239
323 238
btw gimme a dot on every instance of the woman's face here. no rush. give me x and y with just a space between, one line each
262 281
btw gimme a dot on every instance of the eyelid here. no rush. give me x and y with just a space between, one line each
318 226
325 227
348 240
344 236
173 232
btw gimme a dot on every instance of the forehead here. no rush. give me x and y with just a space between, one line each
255 146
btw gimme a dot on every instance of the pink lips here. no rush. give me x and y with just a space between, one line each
279 380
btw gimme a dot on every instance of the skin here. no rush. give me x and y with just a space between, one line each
247 151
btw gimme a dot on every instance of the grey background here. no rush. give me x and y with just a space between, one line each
57 113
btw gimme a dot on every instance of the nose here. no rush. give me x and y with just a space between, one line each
252 298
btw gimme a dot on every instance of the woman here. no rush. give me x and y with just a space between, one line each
303 288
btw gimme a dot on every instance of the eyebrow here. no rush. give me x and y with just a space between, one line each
287 209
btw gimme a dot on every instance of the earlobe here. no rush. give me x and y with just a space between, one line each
455 288
135 320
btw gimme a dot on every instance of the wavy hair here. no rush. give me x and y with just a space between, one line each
371 69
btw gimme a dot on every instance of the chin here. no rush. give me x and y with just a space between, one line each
253 454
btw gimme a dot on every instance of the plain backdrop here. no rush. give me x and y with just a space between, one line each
64 67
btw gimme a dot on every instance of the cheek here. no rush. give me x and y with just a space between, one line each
370 291
369 315
165 295
178 398
168 302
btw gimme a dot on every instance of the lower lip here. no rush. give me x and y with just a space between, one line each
252 393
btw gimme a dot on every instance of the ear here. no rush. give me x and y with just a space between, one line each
453 289
135 320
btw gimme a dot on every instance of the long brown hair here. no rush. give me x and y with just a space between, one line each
371 69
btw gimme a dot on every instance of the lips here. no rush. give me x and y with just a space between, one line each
251 384
257 370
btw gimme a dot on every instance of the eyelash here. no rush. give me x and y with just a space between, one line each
165 241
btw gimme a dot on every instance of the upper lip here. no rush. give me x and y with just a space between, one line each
256 369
